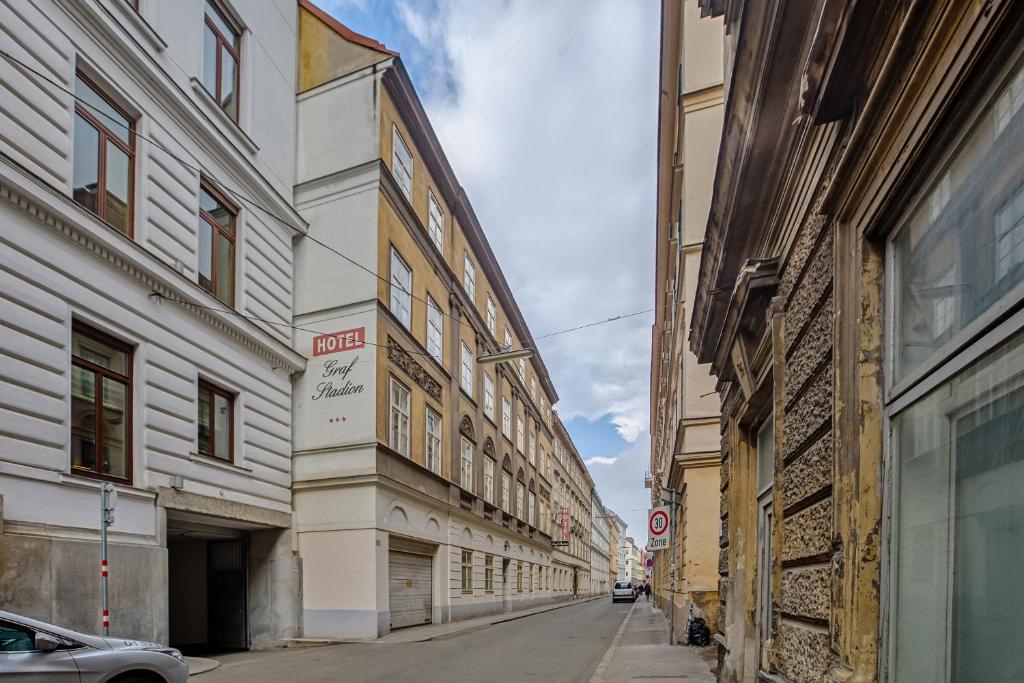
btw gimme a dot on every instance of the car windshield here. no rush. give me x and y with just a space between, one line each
619 585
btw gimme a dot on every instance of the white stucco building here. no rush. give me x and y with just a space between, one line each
600 549
133 275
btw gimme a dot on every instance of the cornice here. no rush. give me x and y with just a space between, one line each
60 214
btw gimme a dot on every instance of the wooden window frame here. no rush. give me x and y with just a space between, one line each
232 209
125 379
106 134
230 396
236 54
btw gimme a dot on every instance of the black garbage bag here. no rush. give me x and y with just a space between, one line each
698 632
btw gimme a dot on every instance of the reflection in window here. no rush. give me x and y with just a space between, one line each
100 404
959 461
220 59
962 250
217 244
215 421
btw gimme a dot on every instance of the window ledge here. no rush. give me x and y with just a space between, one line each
235 132
219 464
128 15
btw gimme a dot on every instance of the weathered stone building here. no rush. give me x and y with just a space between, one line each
860 301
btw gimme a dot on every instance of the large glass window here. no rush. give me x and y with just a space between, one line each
103 166
962 249
489 480
488 396
958 525
506 488
217 244
469 277
489 573
101 408
506 417
401 289
435 221
467 571
491 314
215 421
466 377
401 162
466 479
221 59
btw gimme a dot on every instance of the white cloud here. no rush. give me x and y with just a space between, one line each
600 460
551 126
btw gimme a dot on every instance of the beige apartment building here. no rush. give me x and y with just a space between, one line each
684 404
428 486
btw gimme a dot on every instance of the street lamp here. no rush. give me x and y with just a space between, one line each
505 354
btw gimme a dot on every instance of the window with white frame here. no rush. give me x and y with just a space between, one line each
466 377
491 314
508 337
520 434
522 370
469 276
401 162
489 480
466 478
506 417
433 441
401 289
531 502
533 388
531 452
489 573
544 463
488 396
506 490
467 571
435 329
399 428
435 221
520 500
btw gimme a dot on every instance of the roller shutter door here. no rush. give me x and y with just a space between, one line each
410 587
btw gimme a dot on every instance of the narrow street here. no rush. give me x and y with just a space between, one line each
562 645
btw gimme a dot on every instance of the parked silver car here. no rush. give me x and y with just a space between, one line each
623 591
34 652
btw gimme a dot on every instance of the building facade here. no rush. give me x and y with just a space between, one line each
144 334
685 444
428 480
860 302
634 569
601 577
616 529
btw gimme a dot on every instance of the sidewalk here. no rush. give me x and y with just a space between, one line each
419 634
640 650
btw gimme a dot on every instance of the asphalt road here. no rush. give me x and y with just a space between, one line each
558 646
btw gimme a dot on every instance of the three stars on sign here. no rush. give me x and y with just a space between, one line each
336 419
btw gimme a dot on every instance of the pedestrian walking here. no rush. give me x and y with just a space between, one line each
647 592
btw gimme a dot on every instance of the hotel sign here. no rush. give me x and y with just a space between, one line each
563 522
336 342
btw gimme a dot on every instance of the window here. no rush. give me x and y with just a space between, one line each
961 251
220 60
543 514
522 370
529 577
469 277
506 417
215 421
401 289
101 408
435 221
433 441
508 338
467 571
16 638
466 480
103 170
543 468
506 487
488 396
401 162
217 244
466 377
520 437
489 573
531 502
519 576
488 480
532 448
765 441
491 314
435 329
521 500
400 400
533 388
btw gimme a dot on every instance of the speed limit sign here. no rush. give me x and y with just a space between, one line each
657 528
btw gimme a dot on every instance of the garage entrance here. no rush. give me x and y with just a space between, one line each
410 584
207 578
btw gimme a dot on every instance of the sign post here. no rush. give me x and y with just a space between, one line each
108 501
658 528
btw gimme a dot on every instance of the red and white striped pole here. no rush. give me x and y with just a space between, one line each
107 501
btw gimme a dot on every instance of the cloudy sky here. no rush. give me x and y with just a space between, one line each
547 112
